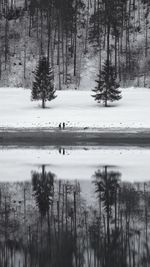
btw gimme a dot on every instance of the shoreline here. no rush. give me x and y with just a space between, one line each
75 137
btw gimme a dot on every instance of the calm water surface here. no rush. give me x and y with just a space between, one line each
74 207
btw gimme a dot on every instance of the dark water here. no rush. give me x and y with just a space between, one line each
50 222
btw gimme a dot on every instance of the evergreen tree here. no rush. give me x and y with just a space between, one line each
107 87
106 184
43 189
43 86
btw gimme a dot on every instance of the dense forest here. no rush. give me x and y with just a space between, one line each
74 34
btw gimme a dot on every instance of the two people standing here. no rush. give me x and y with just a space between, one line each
62 126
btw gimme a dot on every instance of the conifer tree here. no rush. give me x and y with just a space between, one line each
43 189
43 86
107 184
107 86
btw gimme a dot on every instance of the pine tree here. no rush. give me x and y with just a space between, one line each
43 189
43 86
107 184
107 87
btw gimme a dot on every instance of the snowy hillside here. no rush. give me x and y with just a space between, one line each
25 37
76 108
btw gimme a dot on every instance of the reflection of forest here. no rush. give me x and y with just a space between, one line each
48 223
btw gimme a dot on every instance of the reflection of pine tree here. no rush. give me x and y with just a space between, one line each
106 184
115 255
43 188
107 87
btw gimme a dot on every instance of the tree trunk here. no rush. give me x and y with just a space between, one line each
108 47
43 102
108 208
49 33
75 41
6 39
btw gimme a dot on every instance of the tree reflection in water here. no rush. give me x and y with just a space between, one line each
43 188
49 223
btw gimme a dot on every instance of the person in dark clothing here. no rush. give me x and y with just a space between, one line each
63 126
59 126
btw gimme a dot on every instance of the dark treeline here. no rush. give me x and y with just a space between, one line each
71 31
47 222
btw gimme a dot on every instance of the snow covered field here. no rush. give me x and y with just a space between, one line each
75 108
79 163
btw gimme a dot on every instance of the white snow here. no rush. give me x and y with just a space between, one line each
78 163
75 108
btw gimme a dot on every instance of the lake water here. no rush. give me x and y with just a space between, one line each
74 206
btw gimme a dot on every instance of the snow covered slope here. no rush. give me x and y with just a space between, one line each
75 108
